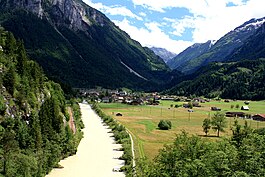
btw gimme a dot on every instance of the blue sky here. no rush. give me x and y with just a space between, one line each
177 24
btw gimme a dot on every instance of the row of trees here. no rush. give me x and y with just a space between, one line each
121 136
34 133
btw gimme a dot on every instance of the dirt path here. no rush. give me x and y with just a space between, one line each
96 155
71 120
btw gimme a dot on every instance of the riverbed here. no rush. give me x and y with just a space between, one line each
97 154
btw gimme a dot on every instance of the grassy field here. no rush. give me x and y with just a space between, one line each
142 121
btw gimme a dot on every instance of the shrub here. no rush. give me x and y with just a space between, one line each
164 125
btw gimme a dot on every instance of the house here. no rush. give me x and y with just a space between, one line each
235 114
120 99
245 108
123 93
259 117
105 100
196 104
201 100
215 109
137 101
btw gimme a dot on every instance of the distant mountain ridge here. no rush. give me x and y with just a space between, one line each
80 46
220 51
188 54
163 53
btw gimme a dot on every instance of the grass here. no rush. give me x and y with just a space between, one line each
142 121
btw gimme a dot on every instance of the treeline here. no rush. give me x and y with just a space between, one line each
236 80
34 129
121 136
189 155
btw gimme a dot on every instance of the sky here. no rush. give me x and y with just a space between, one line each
177 24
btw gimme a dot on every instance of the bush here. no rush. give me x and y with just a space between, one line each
164 125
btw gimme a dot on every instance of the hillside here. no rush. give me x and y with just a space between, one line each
79 45
236 80
35 130
224 47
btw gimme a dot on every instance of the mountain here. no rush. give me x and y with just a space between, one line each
163 53
80 46
190 53
244 80
253 48
224 47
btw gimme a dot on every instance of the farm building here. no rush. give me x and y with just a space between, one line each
259 117
235 114
245 108
119 114
215 109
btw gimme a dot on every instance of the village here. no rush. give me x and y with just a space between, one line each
140 98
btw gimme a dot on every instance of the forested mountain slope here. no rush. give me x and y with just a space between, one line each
34 114
236 80
81 46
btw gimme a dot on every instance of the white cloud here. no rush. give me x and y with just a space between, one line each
142 14
152 35
113 10
208 19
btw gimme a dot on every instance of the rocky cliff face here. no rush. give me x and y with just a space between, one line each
74 14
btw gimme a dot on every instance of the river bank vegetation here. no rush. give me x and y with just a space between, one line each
121 136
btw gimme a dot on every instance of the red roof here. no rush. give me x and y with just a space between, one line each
261 115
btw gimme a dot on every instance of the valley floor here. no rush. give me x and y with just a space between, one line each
96 155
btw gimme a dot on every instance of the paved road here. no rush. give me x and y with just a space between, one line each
96 155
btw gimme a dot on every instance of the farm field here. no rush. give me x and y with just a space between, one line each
142 121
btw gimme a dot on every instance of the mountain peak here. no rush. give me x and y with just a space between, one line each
251 24
163 53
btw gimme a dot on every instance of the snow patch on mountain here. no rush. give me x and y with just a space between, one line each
253 23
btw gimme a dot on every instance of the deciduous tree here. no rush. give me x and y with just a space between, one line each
219 122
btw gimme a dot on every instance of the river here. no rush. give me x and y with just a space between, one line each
96 154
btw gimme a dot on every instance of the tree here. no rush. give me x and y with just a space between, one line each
2 105
219 122
206 125
164 125
190 105
10 80
240 133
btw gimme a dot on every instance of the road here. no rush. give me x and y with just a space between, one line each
96 155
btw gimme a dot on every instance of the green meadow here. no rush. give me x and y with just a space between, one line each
142 121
